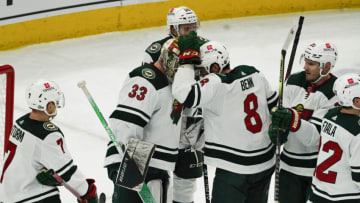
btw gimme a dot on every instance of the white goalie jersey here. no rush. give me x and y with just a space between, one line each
147 111
236 117
34 145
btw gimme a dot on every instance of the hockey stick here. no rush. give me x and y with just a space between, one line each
206 184
68 187
102 196
293 50
144 192
280 104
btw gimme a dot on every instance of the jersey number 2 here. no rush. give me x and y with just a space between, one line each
251 113
329 177
9 155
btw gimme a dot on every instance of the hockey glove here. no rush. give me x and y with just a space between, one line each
46 177
283 121
189 49
91 195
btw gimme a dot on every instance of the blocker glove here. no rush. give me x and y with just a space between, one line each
91 195
189 49
46 177
284 120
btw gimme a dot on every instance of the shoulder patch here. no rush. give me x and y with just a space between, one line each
50 126
38 129
154 48
151 74
148 73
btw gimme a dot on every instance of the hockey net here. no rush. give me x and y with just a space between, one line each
6 106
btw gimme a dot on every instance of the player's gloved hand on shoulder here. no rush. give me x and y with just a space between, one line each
46 177
189 49
283 121
91 195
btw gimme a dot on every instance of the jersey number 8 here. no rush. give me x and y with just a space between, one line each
251 113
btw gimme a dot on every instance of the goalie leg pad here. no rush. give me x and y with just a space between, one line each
133 168
158 182
184 189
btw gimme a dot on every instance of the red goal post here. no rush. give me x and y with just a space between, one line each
7 76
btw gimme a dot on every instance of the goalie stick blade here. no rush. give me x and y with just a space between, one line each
102 198
129 175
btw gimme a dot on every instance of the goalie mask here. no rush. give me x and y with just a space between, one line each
42 92
169 58
322 53
347 88
214 52
179 16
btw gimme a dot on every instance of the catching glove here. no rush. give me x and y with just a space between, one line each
46 177
91 195
284 120
189 49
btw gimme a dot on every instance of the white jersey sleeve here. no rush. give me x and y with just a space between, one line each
55 155
309 131
354 162
191 93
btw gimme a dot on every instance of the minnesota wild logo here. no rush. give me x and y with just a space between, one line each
303 113
50 126
148 73
176 112
154 48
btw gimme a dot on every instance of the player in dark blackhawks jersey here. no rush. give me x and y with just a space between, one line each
236 116
180 21
337 174
146 110
305 92
37 149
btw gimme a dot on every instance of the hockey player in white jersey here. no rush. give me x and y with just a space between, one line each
336 177
236 117
147 111
180 21
306 92
37 147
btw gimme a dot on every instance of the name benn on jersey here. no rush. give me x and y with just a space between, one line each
328 128
246 83
17 134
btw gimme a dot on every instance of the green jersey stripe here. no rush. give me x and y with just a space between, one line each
129 117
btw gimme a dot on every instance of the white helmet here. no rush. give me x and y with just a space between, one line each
347 88
42 92
179 16
322 53
214 52
169 58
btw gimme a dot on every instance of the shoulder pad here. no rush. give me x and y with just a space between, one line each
38 129
348 121
237 73
327 88
154 49
151 74
298 79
